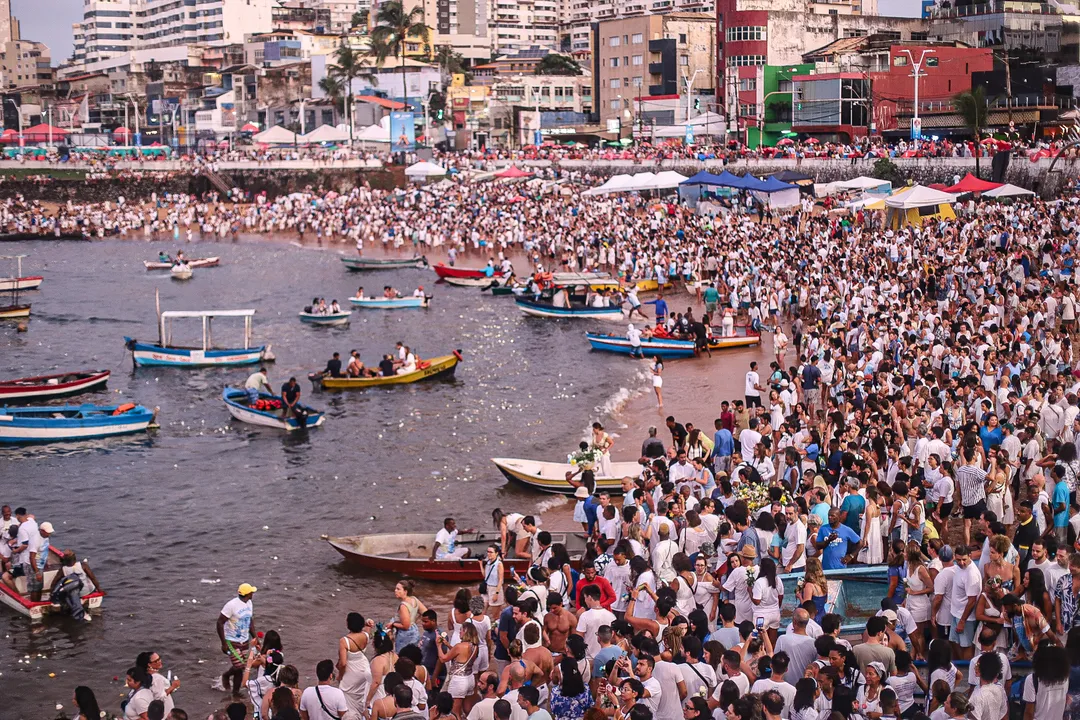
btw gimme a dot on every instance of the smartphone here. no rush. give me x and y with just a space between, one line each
760 623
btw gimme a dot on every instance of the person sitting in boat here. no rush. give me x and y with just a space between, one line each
356 367
419 292
333 367
390 293
409 365
257 382
335 309
181 264
290 398
320 307
561 299
359 294
180 257
164 257
599 300
74 582
386 366
489 269
446 543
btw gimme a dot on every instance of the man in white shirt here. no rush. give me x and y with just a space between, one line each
445 547
662 554
672 685
749 439
793 556
326 702
987 640
681 470
488 686
776 681
592 619
753 388
964 594
798 646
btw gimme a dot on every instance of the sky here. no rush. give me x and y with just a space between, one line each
49 21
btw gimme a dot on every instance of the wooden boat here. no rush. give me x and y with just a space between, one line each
378 303
181 272
664 348
445 271
236 400
436 367
593 281
652 285
192 262
26 236
19 600
502 290
482 283
743 337
19 281
205 355
547 309
408 554
14 309
328 320
362 264
44 387
48 423
8 312
550 477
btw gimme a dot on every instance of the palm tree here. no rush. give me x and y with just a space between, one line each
334 89
393 27
971 106
359 19
348 65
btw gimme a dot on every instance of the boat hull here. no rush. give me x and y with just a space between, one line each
8 312
32 282
266 418
731 341
30 389
546 310
31 425
409 555
667 349
445 271
325 320
390 303
360 264
551 477
37 611
145 354
480 282
194 263
182 274
439 367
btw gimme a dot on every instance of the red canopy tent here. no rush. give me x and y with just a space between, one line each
512 172
970 183
40 133
250 127
9 136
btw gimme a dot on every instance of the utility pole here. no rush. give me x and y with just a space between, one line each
917 73
689 90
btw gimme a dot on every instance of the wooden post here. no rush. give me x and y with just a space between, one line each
204 333
160 320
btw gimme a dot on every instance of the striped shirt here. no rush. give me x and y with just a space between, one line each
971 480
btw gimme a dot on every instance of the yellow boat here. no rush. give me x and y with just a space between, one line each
437 367
652 285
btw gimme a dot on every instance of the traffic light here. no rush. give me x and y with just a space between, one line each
439 115
697 103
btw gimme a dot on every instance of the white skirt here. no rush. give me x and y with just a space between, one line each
657 381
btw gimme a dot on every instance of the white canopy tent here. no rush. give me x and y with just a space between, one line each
616 183
1007 190
375 133
667 180
866 184
327 134
424 170
641 181
919 196
278 135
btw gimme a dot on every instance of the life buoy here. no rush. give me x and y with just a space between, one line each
124 408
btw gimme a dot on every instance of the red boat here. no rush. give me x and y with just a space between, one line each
445 271
409 554
31 282
20 600
45 387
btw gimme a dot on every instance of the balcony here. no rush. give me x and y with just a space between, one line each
634 8
656 68
662 5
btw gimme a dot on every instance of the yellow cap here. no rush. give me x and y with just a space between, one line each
246 589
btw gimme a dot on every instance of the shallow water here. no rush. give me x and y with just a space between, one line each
173 521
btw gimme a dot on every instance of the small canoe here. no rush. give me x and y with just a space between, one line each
32 282
143 354
192 262
445 271
505 290
482 283
179 273
30 236
19 599
361 264
437 367
47 423
44 387
327 320
375 303
550 477
667 349
236 400
409 554
547 309
14 311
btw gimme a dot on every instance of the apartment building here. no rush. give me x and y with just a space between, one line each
107 29
575 31
651 56
518 24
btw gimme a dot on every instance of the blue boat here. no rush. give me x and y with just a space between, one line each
62 423
547 309
656 347
376 303
165 353
239 406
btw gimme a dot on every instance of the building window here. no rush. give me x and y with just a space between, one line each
747 84
638 81
931 62
854 32
684 60
614 41
616 83
900 61
783 86
748 32
682 38
614 62
920 36
745 60
636 39
748 110
638 60
888 34
616 105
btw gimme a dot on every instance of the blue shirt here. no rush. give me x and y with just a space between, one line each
838 548
605 656
1061 497
822 511
591 503
508 626
854 505
723 443
661 308
990 437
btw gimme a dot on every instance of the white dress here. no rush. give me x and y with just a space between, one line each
482 623
917 605
356 681
872 554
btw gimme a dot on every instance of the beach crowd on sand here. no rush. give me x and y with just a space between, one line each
916 428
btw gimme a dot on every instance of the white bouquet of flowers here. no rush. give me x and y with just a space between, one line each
585 459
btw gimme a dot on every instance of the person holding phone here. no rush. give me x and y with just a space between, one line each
837 542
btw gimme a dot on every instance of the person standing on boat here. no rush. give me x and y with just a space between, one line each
236 630
257 382
603 442
290 397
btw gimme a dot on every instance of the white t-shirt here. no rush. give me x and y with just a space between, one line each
669 677
138 703
158 687
656 693
966 583
989 702
943 586
332 698
794 536
28 534
905 686
447 542
752 379
768 595
1049 699
1006 671
483 710
698 676
590 621
238 619
786 690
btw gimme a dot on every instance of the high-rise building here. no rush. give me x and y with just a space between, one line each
519 24
107 29
23 63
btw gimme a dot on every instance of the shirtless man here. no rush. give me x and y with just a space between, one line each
557 624
538 654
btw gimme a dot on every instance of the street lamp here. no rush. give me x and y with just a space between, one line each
689 89
917 73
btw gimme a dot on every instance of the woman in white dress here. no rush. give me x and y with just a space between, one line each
658 380
354 671
767 596
482 623
920 589
872 552
603 442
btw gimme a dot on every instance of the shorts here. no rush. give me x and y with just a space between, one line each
965 639
238 653
657 381
753 401
1061 533
974 512
945 510
33 584
771 618
813 397
460 686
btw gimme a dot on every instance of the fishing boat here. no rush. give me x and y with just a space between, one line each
550 477
743 337
436 367
409 554
45 387
503 290
546 308
656 347
363 264
166 352
59 423
14 310
652 285
238 403
482 282
445 271
19 599
378 303
192 262
181 272
326 320
19 281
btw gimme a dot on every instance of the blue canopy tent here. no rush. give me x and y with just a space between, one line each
734 181
702 178
776 193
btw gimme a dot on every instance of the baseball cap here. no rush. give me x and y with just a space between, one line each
889 615
246 589
46 527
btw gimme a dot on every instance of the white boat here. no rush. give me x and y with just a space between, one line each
181 272
236 400
470 282
19 281
325 320
551 476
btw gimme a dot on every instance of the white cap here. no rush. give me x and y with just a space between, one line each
46 527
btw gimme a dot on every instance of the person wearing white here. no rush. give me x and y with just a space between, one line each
767 595
324 701
592 619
